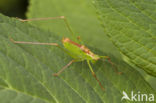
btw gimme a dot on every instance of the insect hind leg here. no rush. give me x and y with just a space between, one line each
93 73
51 18
113 65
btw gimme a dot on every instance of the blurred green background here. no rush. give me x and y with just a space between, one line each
14 8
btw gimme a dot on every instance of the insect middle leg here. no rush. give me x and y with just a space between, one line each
66 66
38 43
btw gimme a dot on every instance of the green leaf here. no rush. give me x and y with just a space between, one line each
131 25
26 71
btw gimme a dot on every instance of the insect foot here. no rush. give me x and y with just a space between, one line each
120 73
78 38
55 74
62 17
12 40
20 19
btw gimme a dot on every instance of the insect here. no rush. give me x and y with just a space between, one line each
77 51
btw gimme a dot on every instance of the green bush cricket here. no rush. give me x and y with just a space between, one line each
75 50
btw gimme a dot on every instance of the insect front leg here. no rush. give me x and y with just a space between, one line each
113 65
